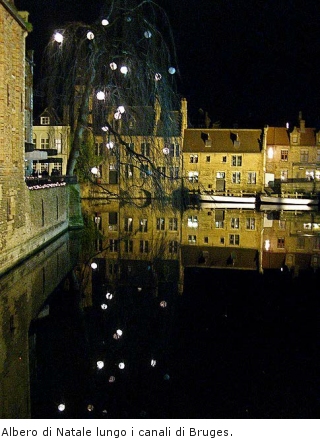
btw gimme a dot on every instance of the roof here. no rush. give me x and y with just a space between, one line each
281 136
222 140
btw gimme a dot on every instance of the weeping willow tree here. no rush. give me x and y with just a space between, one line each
115 80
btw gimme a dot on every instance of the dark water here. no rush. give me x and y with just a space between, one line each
236 344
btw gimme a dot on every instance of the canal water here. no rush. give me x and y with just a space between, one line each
236 344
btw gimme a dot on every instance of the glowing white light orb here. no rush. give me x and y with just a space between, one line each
166 150
94 170
109 296
119 332
157 76
94 265
104 306
121 365
113 66
100 364
58 37
105 129
104 22
117 115
100 95
124 70
153 363
121 109
90 35
172 70
110 145
163 304
147 34
61 407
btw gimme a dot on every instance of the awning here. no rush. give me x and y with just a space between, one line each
36 155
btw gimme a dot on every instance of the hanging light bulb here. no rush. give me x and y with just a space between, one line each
117 115
124 70
163 304
104 22
100 364
147 34
109 296
94 265
104 306
121 365
119 332
166 150
113 66
61 407
94 170
90 407
153 363
90 35
100 95
58 37
110 145
172 70
121 109
157 76
105 129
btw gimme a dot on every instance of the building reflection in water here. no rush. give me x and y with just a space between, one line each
166 309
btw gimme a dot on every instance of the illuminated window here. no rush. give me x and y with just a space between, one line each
44 144
44 120
270 153
144 246
129 171
128 224
113 245
284 155
193 176
304 156
284 175
219 219
193 221
192 239
143 225
58 145
194 158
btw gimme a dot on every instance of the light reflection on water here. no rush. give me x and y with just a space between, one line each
236 344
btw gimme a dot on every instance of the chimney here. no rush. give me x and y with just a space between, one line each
302 123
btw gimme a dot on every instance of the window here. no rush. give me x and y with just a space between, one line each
130 148
224 159
282 225
304 156
144 246
284 155
174 172
128 246
162 171
143 225
300 242
280 243
236 177
144 170
174 150
113 221
193 221
98 148
113 245
206 240
58 145
294 138
222 240
192 239
129 171
113 175
219 219
221 175
316 243
145 149
284 175
194 158
235 223
236 160
44 120
160 223
173 246
234 239
98 221
318 155
173 224
193 176
208 159
128 224
44 144
252 178
250 224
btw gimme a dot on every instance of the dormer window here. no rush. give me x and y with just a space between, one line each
45 120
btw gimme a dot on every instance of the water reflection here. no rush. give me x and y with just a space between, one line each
170 315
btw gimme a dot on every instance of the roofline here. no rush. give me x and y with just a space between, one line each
14 12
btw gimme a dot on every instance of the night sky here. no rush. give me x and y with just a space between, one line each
249 62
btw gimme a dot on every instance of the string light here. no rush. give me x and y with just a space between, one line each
104 22
100 364
147 34
113 66
124 70
94 265
58 37
157 76
100 95
61 407
90 35
172 70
